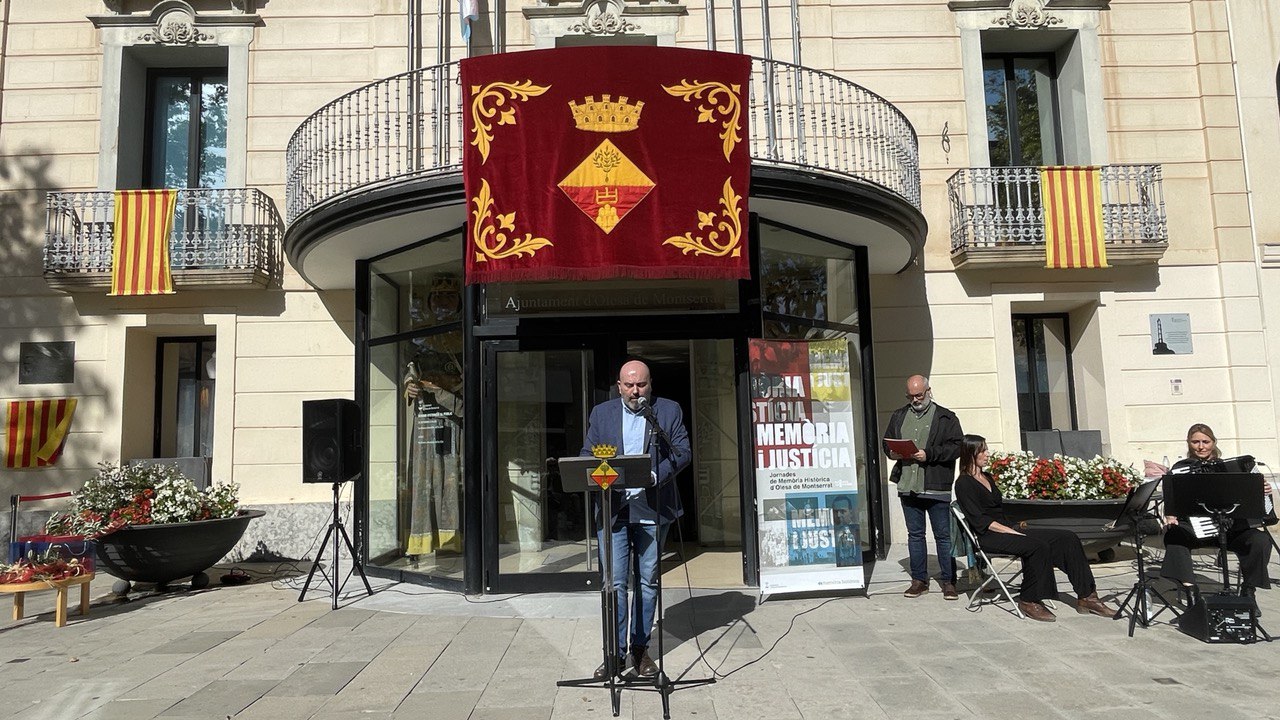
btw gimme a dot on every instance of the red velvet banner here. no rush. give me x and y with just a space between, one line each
600 162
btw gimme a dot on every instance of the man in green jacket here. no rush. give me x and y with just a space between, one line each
924 481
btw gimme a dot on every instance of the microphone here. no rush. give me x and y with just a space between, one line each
642 404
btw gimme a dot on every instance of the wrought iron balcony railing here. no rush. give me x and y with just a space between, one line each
220 237
410 125
1000 209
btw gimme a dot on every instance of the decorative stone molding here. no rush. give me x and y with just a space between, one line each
1271 256
176 26
175 35
550 20
1027 15
966 5
604 17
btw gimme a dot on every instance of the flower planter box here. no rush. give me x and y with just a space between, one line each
1085 518
160 553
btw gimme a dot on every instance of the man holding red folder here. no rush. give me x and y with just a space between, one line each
924 472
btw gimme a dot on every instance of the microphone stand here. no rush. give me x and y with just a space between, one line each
663 684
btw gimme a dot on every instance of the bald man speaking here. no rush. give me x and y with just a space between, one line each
641 516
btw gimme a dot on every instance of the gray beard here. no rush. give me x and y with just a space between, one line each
922 406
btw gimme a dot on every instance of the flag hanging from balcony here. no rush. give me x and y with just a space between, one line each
602 162
36 431
1074 234
140 255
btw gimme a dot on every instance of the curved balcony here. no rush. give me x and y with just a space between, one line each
816 140
221 238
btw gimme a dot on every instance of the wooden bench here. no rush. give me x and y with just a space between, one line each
20 590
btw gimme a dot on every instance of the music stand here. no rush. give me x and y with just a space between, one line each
1136 509
1221 496
577 475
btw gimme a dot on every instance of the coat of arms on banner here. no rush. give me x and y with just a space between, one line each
601 162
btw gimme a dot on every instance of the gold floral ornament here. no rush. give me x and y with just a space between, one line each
487 103
720 100
489 231
730 224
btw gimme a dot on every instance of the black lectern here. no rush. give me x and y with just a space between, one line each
602 475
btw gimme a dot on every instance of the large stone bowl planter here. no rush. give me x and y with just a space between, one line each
162 553
1085 518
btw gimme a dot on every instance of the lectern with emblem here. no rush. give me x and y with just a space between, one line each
603 473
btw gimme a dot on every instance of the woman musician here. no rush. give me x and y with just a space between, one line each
1250 544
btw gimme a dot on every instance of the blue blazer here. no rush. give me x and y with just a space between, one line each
605 426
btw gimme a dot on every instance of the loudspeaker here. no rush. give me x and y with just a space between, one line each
1221 618
330 440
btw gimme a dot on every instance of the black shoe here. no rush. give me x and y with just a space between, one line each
1249 591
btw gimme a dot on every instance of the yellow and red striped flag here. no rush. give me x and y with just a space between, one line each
36 431
140 258
1074 236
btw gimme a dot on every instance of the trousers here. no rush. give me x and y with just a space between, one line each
1250 545
1041 550
635 563
915 509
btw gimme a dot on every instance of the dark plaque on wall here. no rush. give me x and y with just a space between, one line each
46 362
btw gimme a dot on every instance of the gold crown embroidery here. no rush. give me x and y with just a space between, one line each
604 450
606 115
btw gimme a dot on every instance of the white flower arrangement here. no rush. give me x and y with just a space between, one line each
1023 476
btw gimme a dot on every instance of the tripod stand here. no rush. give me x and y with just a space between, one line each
1135 510
335 529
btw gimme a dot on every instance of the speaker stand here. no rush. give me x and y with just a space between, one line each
335 529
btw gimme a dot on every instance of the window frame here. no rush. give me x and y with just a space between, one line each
200 342
195 109
1008 60
1033 379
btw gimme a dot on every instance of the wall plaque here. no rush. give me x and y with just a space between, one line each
46 362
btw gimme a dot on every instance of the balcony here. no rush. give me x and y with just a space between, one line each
997 219
394 147
222 238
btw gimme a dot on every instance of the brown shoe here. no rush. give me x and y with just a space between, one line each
1036 611
645 666
602 672
949 591
1093 604
918 588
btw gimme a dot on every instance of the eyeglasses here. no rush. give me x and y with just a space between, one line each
919 395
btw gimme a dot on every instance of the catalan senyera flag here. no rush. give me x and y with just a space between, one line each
36 431
1073 231
603 162
140 258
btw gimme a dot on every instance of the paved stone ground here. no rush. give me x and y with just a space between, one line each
253 651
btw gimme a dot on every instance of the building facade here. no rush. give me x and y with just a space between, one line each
897 205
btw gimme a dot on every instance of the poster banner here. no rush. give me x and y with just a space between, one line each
806 481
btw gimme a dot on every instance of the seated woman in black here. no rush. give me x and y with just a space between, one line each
1041 549
1250 543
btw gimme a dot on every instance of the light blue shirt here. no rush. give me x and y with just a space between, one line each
635 431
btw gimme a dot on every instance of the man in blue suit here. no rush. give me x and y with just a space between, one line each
641 516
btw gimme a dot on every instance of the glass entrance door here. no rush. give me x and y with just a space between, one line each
537 401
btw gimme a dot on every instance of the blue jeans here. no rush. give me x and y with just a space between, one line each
914 509
635 552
